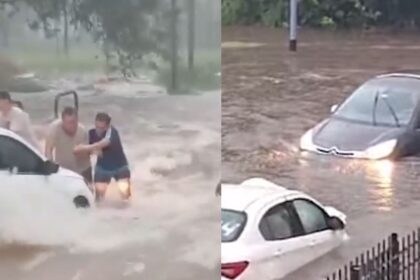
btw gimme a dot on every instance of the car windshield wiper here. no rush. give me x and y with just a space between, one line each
375 105
391 109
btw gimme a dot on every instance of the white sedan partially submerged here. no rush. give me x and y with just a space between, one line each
269 231
24 168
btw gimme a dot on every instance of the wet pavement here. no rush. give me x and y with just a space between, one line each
170 229
271 97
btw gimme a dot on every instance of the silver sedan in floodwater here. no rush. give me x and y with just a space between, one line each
381 119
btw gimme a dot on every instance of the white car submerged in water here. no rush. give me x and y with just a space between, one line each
22 166
269 231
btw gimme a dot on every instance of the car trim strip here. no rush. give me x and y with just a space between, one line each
399 75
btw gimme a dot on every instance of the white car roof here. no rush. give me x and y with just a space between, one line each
238 197
399 75
11 134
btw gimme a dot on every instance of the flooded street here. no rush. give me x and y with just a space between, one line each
271 97
173 222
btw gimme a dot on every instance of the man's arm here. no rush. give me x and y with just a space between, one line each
105 142
98 146
50 142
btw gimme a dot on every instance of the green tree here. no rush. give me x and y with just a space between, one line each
129 29
126 29
319 13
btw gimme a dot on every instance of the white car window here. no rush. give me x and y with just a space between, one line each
276 224
14 154
233 223
312 217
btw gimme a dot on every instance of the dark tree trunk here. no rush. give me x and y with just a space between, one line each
191 34
66 28
174 46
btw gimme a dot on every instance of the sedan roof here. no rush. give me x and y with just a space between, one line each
402 73
240 196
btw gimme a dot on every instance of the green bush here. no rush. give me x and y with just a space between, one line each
321 13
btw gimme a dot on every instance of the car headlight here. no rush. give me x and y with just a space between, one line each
381 150
306 142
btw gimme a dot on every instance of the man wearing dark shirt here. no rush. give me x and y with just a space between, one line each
105 140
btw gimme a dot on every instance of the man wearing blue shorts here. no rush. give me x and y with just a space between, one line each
105 141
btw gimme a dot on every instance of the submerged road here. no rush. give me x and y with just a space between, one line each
271 97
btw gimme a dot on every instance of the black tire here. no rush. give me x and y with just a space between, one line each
81 202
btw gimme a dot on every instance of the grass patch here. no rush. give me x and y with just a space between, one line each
83 60
46 63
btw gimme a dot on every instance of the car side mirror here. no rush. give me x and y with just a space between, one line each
334 108
335 223
49 167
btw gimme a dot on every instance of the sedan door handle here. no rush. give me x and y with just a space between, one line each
312 243
278 253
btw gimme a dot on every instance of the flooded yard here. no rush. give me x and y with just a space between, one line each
271 97
173 147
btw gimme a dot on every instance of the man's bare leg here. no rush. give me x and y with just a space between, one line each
100 191
124 186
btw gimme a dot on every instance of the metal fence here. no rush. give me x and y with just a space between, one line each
394 258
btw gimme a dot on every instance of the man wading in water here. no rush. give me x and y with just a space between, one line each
63 136
112 162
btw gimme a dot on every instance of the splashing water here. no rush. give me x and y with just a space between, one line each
173 147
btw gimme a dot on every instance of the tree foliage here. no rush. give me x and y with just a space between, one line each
129 29
340 13
126 29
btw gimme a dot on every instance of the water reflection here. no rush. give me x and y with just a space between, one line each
335 179
381 173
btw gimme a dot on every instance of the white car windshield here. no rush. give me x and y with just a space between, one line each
233 223
388 101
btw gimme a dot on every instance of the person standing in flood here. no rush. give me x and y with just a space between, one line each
16 120
62 137
105 140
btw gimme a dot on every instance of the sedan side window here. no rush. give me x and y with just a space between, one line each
276 224
14 154
313 218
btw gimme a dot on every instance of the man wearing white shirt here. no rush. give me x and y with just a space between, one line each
18 121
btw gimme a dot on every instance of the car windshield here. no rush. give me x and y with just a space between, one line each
388 101
233 223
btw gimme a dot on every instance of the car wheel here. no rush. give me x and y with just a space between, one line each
81 202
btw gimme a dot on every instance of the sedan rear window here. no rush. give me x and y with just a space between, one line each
233 223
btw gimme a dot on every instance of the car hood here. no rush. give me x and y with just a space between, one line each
347 135
68 173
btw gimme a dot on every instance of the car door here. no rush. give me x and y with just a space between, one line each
19 167
281 252
317 234
409 142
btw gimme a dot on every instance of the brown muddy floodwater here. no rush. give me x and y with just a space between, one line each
172 226
271 97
